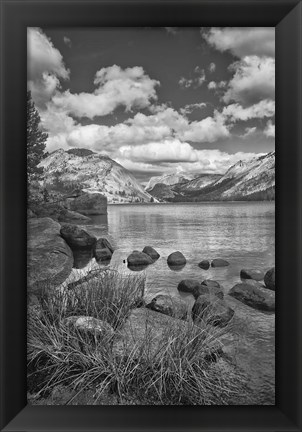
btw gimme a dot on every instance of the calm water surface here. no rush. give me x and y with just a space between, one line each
242 233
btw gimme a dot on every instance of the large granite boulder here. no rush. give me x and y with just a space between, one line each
59 213
142 334
254 274
269 279
88 203
256 297
211 310
49 258
191 286
204 264
151 252
172 306
176 259
77 237
218 262
138 259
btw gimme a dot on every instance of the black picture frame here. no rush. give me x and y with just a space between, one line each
286 16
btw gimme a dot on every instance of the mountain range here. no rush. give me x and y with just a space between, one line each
64 171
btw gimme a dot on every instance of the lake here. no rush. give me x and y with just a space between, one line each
243 233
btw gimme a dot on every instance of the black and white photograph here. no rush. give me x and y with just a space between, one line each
151 216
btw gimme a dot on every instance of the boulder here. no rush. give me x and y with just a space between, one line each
142 333
269 279
77 237
49 258
256 275
137 258
59 213
90 326
176 259
103 243
218 262
88 203
191 286
204 264
256 297
214 288
168 305
151 252
103 254
211 310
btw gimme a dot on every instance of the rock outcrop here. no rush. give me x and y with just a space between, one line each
88 203
49 258
256 297
77 237
59 213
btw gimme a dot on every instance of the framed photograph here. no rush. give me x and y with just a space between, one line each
151 189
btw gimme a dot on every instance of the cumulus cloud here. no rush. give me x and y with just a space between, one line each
249 131
216 85
45 66
185 83
269 130
191 107
243 41
67 41
235 112
253 80
129 87
209 129
197 80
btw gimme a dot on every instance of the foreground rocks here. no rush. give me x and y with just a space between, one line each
172 306
137 258
269 279
256 275
256 297
151 252
218 262
192 286
211 310
103 250
49 258
145 327
77 237
176 259
87 203
214 287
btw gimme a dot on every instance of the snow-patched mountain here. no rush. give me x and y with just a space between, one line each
169 179
199 182
92 172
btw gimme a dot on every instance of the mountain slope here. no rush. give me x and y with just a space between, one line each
199 182
169 179
66 170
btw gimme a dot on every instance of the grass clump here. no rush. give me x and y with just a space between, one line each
181 364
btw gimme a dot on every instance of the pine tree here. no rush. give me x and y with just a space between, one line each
36 140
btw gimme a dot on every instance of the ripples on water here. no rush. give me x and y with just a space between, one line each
241 233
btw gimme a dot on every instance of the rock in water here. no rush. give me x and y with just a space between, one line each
191 286
137 258
256 297
168 305
204 264
104 243
218 262
211 310
49 258
256 275
151 252
214 288
88 204
103 254
76 237
269 279
176 259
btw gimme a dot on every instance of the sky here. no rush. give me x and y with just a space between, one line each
156 100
